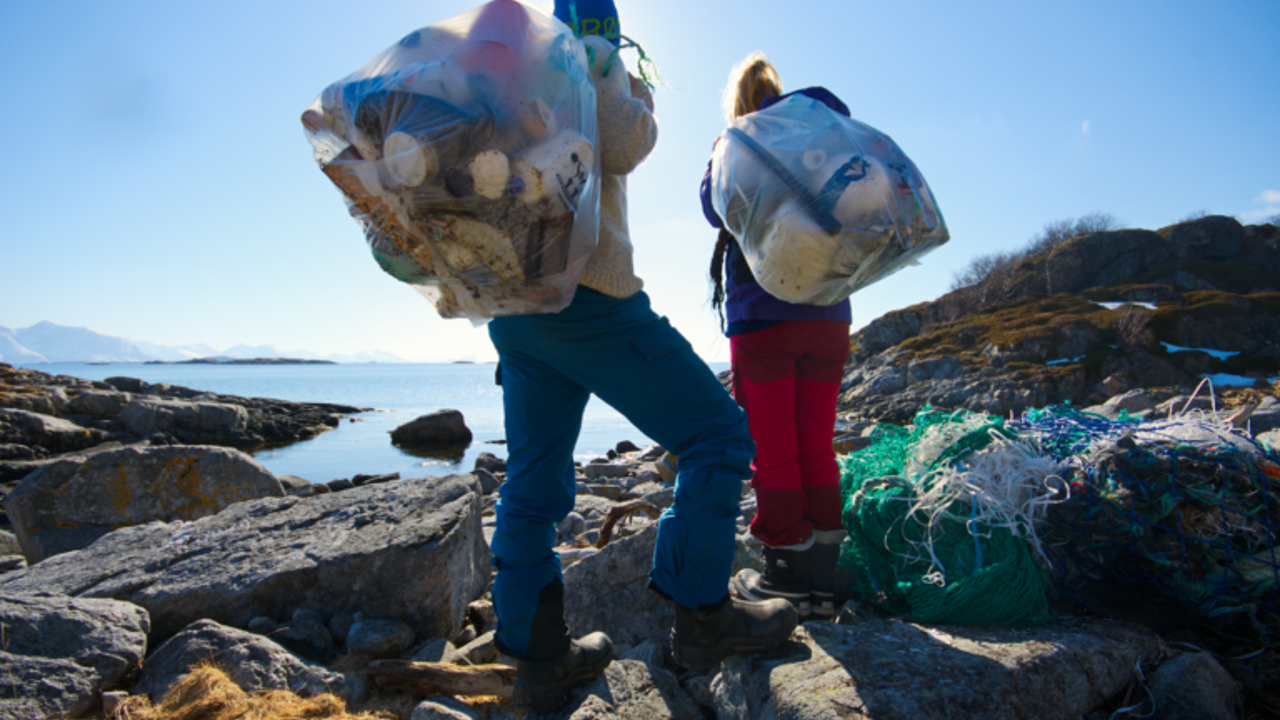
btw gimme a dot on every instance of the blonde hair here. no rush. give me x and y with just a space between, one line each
750 82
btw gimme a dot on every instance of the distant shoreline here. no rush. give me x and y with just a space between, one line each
239 361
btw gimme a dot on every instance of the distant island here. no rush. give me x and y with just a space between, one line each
243 361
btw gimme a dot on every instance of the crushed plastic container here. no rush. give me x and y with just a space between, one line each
822 205
467 154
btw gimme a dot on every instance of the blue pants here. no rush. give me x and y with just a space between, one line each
636 362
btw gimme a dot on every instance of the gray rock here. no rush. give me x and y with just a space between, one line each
192 423
435 650
377 639
98 403
262 625
1266 417
410 550
71 503
492 463
609 591
1134 401
632 689
307 635
339 485
293 482
1270 439
442 428
489 483
592 508
648 473
59 652
53 434
360 480
595 471
1194 686
888 668
9 544
251 661
568 529
9 563
1182 403
305 491
340 626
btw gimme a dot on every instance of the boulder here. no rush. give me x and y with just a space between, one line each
609 591
1266 417
888 668
251 661
411 551
68 504
37 430
1194 686
379 638
306 634
192 423
442 428
59 652
98 403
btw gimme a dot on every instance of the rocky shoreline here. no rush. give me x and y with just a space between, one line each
45 417
144 542
342 588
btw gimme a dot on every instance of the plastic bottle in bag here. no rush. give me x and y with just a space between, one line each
466 152
821 204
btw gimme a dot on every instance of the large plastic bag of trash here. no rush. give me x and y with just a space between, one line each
467 153
822 205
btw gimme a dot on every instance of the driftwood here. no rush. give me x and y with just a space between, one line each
1241 417
623 510
429 678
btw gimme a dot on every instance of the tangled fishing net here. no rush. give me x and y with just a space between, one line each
965 518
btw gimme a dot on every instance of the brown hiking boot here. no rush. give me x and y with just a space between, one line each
701 638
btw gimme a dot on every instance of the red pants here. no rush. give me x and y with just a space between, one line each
787 378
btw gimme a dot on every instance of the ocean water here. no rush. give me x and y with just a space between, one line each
362 444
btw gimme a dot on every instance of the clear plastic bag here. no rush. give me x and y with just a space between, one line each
467 153
821 204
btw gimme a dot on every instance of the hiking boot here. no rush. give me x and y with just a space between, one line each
786 576
701 638
542 686
823 557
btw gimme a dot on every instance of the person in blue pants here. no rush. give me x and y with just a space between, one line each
609 342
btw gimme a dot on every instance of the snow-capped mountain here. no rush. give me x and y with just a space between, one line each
48 342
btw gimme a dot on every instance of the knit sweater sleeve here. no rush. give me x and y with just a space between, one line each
628 131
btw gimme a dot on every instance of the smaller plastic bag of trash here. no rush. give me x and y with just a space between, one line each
467 153
821 204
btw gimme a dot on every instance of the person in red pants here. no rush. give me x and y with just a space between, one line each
788 361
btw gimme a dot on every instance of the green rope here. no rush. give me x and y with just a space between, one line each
644 64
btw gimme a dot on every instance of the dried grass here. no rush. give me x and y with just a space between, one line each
206 693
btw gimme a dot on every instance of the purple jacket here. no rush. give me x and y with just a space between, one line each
748 306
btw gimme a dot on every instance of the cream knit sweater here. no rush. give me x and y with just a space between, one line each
627 134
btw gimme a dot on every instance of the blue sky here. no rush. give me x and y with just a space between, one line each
158 185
